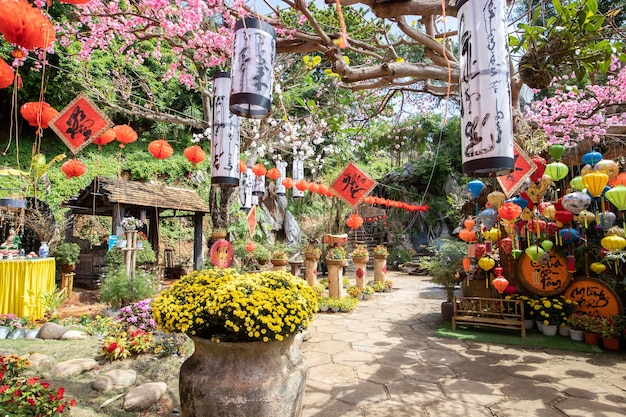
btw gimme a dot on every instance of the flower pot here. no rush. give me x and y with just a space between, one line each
311 256
279 262
323 309
611 343
549 329
15 334
539 325
254 379
219 235
31 333
121 243
591 338
360 259
367 296
66 269
4 332
529 324
335 309
564 331
576 335
447 311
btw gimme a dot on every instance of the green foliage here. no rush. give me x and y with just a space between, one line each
400 255
51 300
115 257
445 264
118 289
67 253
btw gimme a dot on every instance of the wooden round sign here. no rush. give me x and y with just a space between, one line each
594 296
547 276
222 254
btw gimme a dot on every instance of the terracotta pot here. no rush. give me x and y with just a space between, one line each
66 269
218 235
447 311
279 262
360 259
336 262
254 379
591 338
611 343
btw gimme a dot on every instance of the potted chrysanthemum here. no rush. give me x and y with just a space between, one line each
243 327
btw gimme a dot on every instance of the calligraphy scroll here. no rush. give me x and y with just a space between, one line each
225 142
547 276
523 168
352 184
79 123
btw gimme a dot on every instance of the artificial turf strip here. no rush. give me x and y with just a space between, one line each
533 338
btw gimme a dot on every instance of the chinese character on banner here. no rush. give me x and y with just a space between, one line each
79 123
353 184
251 219
523 168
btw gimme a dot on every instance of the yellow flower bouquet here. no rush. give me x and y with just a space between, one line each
225 305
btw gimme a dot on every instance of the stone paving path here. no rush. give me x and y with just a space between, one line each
383 360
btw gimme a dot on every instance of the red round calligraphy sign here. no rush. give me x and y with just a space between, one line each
221 254
594 297
547 276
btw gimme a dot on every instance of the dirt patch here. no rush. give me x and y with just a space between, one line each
81 302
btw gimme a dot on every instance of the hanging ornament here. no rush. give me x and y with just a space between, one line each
242 166
607 219
595 183
467 235
534 252
615 231
273 174
563 217
608 167
259 170
556 151
288 183
613 243
225 141
576 201
104 139
540 163
298 175
509 211
7 74
488 217
547 245
160 149
617 197
475 187
467 264
620 179
313 187
486 263
251 246
496 198
125 134
500 283
354 221
577 183
194 154
571 264
569 235
506 245
38 114
556 170
591 158
246 182
73 168
281 166
492 235
598 267
25 25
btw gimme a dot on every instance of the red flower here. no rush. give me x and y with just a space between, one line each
17 393
112 347
60 393
32 381
3 388
60 409
31 401
45 384
72 403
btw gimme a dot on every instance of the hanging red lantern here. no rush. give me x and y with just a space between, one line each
125 134
354 221
194 154
25 25
323 189
38 114
242 166
160 149
73 168
509 211
467 264
7 75
313 187
288 182
563 216
251 246
273 174
259 170
105 138
500 283
302 185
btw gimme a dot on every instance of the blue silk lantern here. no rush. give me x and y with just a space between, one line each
522 202
569 235
592 158
475 187
488 216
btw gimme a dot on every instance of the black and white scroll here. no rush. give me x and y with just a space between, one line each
258 188
282 167
225 142
254 50
245 189
486 115
298 174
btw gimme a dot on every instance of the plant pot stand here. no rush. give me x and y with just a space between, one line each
310 271
335 276
380 267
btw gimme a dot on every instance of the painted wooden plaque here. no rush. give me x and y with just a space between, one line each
595 297
547 276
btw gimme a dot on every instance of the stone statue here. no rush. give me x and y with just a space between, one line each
13 240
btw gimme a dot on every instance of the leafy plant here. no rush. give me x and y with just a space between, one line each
381 250
337 253
348 303
445 264
354 291
51 300
115 257
67 253
118 289
368 289
360 251
279 254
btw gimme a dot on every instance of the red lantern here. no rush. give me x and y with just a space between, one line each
506 245
288 183
38 114
323 189
273 174
302 185
540 163
467 235
250 246
509 211
259 170
500 283
354 221
563 216
160 149
467 264
73 168
194 154
313 187
242 166
125 134
25 25
7 75
105 138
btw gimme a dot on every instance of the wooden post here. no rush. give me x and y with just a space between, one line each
130 251
198 258
67 282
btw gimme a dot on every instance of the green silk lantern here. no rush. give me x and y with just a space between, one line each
577 183
556 170
595 183
556 151
617 197
534 252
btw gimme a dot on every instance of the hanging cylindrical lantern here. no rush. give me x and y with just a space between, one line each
487 122
225 142
258 189
245 189
254 48
281 166
298 175
160 149
194 154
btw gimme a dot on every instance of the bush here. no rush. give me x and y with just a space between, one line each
115 257
67 253
118 289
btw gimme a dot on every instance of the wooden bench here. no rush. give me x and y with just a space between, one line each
492 312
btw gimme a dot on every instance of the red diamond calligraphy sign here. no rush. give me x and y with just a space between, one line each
79 123
523 168
352 184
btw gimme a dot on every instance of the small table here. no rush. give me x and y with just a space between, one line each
21 281
295 267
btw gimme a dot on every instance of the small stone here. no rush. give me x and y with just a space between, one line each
73 367
74 335
116 378
38 359
144 396
51 331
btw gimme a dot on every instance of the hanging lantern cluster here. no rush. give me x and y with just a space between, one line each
378 201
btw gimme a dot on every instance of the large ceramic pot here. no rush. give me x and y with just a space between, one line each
254 379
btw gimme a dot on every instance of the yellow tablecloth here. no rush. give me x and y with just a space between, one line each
21 281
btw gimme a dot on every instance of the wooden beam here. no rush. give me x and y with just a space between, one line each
198 258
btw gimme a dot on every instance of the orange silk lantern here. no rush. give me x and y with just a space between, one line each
105 138
7 75
38 114
242 166
195 154
288 183
595 183
467 235
509 211
73 168
273 174
25 25
354 221
467 264
302 185
500 283
313 187
160 149
125 134
323 189
259 170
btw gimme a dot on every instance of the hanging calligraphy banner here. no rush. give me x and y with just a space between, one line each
523 167
352 184
79 123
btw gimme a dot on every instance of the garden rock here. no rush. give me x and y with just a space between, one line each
38 359
144 396
116 378
74 335
73 367
51 331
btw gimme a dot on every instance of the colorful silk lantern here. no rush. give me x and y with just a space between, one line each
254 49
73 168
585 218
534 252
479 250
485 91
492 234
576 201
496 198
25 25
288 183
608 167
617 197
354 221
509 211
500 283
225 142
251 246
298 175
577 183
38 114
486 263
475 187
506 245
281 166
467 264
246 182
469 223
258 188
259 169
104 139
125 134
556 151
607 219
302 185
592 158
556 170
547 245
563 216
488 217
467 235
613 243
194 154
273 174
7 75
569 235
595 183
313 187
160 149
620 179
